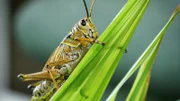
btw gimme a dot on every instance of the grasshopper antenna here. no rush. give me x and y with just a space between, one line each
87 13
92 4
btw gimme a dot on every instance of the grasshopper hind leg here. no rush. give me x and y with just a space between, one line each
33 85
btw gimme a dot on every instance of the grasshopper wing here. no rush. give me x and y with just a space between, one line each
58 57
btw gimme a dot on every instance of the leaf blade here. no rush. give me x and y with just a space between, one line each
95 66
143 77
154 45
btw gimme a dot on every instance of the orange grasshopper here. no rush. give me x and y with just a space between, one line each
64 58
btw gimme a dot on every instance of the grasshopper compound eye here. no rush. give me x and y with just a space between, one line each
83 22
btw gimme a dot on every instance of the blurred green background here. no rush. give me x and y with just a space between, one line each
40 25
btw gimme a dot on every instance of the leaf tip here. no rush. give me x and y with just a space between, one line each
176 10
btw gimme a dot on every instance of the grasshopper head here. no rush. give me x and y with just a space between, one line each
86 24
88 28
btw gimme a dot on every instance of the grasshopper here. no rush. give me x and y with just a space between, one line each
64 59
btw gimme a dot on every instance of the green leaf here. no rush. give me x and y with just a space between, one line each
140 86
92 75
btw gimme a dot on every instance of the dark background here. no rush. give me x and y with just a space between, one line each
31 29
